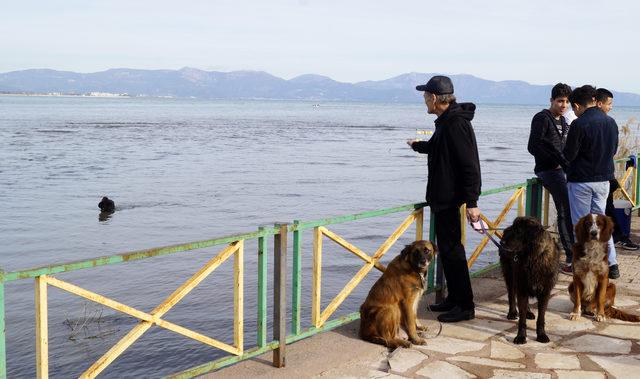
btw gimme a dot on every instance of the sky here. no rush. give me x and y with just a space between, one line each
541 42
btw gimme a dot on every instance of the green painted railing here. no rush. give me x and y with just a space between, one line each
533 207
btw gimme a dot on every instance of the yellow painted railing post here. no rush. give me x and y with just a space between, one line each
42 333
634 181
317 277
238 298
521 205
420 224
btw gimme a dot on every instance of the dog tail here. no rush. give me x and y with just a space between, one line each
616 313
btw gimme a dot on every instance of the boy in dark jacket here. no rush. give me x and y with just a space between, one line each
453 180
591 144
604 101
547 138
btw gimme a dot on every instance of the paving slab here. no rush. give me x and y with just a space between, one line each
560 303
401 360
486 362
625 302
623 366
557 361
501 350
441 370
531 344
579 374
598 344
626 330
505 374
561 325
450 345
477 329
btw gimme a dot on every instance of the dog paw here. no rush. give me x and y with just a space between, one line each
418 341
405 344
600 318
543 338
421 328
530 315
519 340
574 316
512 315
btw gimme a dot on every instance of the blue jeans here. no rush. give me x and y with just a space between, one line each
586 198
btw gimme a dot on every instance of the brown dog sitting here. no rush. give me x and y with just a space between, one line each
393 300
591 271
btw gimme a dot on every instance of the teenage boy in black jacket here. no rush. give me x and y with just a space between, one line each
453 180
547 138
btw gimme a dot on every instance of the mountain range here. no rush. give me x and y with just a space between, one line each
190 82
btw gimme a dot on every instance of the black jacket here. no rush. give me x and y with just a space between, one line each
591 144
546 143
454 167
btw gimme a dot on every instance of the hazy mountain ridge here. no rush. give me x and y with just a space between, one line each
191 82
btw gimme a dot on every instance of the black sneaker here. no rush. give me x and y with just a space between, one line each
614 273
457 314
627 244
444 306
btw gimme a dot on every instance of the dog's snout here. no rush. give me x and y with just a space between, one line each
594 233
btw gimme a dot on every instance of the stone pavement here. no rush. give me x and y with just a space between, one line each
480 348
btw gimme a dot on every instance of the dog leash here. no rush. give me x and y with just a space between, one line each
422 333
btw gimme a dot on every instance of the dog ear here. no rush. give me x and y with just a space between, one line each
580 232
406 252
607 228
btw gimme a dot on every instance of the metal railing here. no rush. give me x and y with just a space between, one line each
528 196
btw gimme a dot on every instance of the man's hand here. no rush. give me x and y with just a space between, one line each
473 214
411 141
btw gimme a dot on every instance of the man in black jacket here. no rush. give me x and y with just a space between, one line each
547 138
591 144
453 180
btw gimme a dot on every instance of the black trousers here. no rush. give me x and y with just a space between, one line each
609 211
555 182
453 257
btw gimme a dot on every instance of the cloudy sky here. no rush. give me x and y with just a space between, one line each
541 42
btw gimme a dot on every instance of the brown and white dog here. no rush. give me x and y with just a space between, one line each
393 300
590 290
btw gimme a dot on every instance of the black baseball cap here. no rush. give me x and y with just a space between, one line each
438 85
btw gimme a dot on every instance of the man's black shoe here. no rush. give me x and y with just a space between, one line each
457 314
444 306
614 273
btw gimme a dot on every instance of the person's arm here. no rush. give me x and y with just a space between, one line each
464 149
574 140
536 136
538 145
419 146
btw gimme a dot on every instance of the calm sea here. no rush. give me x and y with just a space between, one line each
185 170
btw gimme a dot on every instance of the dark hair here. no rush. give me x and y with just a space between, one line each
560 90
602 94
583 95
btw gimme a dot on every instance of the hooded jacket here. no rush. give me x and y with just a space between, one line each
546 142
454 166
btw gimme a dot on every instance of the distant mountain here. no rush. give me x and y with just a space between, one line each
191 82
